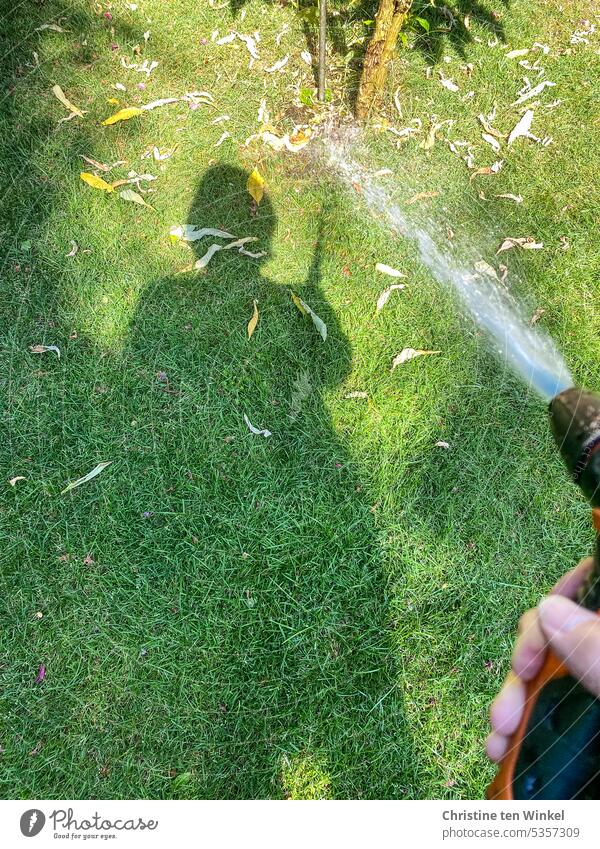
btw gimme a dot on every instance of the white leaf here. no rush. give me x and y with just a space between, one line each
508 196
442 444
226 39
74 248
224 136
53 27
350 395
43 349
383 298
485 268
533 92
448 83
491 141
256 430
14 481
306 57
95 471
191 233
278 65
204 260
513 54
522 127
119 87
160 157
263 113
250 44
162 102
497 166
387 269
220 119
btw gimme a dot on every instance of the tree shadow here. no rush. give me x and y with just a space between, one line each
448 27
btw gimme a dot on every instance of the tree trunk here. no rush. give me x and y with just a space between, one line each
390 16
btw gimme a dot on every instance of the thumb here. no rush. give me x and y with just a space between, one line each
574 635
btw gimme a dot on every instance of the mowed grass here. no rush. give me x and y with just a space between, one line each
327 612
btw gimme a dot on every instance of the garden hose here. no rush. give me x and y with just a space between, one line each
555 751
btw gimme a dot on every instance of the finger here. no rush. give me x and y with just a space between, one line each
507 707
496 746
530 648
574 634
569 584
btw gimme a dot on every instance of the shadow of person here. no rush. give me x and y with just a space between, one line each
278 661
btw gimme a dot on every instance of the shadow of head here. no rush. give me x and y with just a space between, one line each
222 200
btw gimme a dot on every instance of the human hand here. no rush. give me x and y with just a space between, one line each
573 634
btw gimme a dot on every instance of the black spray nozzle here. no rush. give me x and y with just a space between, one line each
575 425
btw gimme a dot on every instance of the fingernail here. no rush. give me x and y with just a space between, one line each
560 615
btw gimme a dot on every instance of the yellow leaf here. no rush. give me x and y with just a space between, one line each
253 321
255 185
122 115
298 303
96 182
59 93
113 101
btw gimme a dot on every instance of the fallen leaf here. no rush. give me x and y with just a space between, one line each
191 233
41 674
351 395
130 195
487 169
387 269
564 243
14 481
160 157
238 243
256 430
491 141
422 196
383 298
90 475
122 115
96 182
536 316
278 66
522 127
508 196
255 185
95 164
448 83
306 310
485 268
533 92
43 349
525 242
224 136
442 444
60 95
164 101
250 44
74 248
513 54
53 27
253 321
407 354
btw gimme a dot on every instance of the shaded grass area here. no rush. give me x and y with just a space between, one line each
327 612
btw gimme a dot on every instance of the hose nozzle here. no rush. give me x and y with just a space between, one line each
575 425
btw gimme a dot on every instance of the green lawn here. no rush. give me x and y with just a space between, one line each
329 611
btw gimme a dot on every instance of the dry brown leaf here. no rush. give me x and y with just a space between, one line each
527 243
